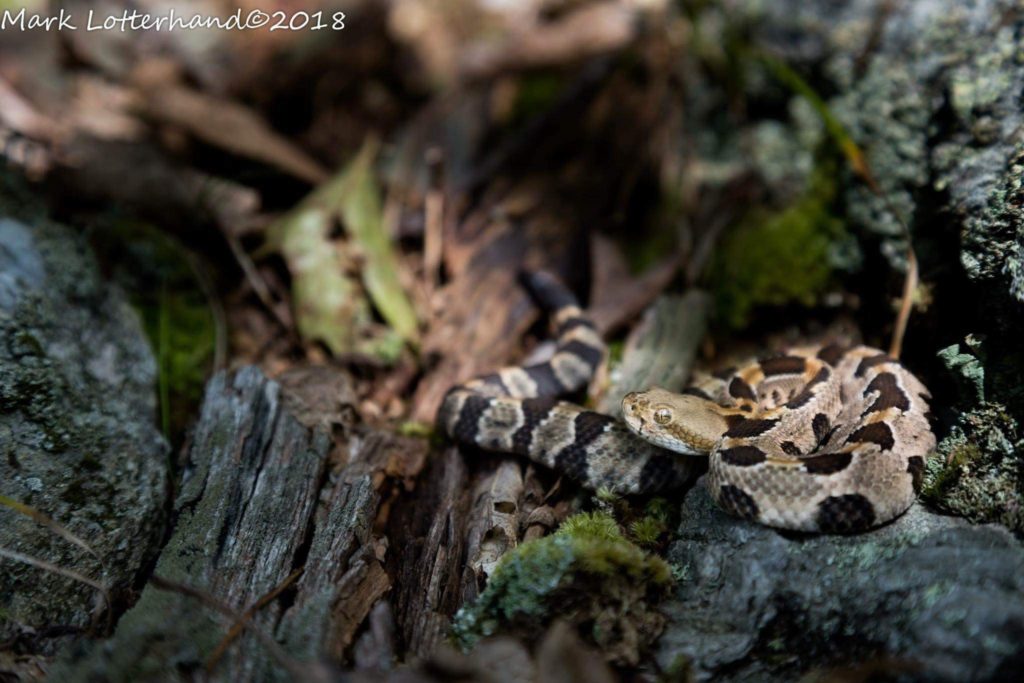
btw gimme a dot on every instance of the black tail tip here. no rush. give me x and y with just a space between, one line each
547 289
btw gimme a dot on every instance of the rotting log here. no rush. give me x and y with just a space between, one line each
259 501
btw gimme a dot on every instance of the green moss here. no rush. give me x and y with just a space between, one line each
158 275
647 531
592 525
586 572
782 257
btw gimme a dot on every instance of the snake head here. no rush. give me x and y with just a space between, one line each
686 424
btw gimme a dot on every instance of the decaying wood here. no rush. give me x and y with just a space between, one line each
428 586
661 350
257 504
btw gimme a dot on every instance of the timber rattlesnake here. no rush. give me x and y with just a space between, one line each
817 439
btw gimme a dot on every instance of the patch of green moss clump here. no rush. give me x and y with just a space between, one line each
587 573
162 282
778 258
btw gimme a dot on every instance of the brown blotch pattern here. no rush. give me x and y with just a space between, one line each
740 389
782 365
742 456
845 514
831 353
876 432
821 425
745 428
870 362
790 448
889 393
733 500
827 463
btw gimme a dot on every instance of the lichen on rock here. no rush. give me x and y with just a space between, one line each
586 572
978 474
757 605
78 435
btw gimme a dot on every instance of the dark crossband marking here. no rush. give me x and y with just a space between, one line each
740 389
747 428
807 393
876 432
870 362
915 466
831 353
782 365
659 473
572 460
573 323
820 425
588 354
889 393
535 411
828 463
548 384
845 514
699 393
742 456
469 418
548 291
493 381
790 448
736 502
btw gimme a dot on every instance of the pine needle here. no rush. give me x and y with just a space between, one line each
45 521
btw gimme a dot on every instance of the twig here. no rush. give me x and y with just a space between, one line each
61 571
859 163
236 628
216 306
433 231
298 670
257 283
906 303
43 520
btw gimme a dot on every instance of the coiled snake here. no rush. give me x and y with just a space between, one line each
819 439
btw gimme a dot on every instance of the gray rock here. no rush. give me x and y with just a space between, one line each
78 436
931 597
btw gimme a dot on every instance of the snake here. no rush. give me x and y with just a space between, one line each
819 438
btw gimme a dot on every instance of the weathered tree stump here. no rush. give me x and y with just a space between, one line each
260 501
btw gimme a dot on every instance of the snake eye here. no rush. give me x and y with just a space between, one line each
662 415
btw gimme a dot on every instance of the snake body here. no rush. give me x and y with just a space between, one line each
822 439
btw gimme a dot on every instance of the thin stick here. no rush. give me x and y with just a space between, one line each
43 520
906 303
256 281
433 230
236 628
298 670
61 571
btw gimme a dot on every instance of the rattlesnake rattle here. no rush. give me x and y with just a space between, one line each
819 439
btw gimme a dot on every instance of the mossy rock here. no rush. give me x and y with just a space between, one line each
587 573
780 258
78 435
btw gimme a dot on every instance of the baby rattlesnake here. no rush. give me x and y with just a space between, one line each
819 439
